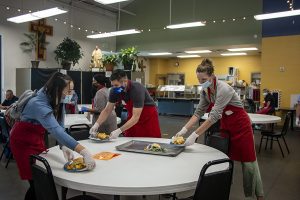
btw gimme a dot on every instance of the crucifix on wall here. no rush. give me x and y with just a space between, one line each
41 30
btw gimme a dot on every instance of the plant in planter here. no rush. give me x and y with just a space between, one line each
30 46
68 52
128 58
109 61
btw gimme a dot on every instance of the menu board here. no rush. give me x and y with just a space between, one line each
172 88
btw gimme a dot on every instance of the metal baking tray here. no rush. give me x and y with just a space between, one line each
138 146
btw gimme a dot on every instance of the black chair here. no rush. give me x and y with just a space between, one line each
79 131
251 106
215 185
43 182
5 133
217 141
213 138
275 136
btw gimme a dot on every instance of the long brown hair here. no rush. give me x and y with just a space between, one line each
54 89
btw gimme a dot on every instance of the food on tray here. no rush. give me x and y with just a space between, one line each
178 140
154 147
77 164
102 136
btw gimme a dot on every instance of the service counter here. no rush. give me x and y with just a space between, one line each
177 106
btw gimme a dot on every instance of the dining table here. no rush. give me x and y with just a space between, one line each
256 118
75 119
133 173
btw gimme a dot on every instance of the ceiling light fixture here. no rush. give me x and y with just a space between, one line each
109 1
277 14
233 54
186 25
114 33
243 49
188 56
199 51
37 15
160 54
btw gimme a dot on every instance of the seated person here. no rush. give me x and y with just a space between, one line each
298 112
10 98
269 103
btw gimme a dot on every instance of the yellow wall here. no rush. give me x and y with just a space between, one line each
245 64
281 52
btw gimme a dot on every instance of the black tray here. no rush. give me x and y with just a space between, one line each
138 146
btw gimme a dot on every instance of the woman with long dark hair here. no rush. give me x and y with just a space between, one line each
44 112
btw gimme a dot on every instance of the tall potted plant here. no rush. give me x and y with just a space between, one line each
109 61
30 46
68 52
128 58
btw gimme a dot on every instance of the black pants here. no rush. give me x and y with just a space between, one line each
30 194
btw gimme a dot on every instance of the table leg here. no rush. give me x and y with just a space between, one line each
292 121
64 191
117 197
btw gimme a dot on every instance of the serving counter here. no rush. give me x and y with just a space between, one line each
177 106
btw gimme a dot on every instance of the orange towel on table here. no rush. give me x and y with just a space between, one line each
105 155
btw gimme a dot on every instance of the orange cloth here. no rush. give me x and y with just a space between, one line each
105 155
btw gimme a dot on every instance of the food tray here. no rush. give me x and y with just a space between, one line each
138 146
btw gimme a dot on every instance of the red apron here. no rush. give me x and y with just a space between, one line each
265 110
26 139
70 108
238 128
148 124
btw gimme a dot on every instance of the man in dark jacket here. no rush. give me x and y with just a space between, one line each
269 103
10 98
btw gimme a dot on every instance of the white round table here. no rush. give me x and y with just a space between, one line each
135 173
256 118
73 119
263 119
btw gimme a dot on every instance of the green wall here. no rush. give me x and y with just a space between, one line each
154 14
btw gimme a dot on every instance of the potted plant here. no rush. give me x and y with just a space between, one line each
30 46
68 52
109 61
128 58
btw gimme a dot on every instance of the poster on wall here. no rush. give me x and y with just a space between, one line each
294 100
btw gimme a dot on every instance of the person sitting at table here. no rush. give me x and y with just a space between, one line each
269 103
298 112
142 119
45 111
71 101
101 83
10 98
223 103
